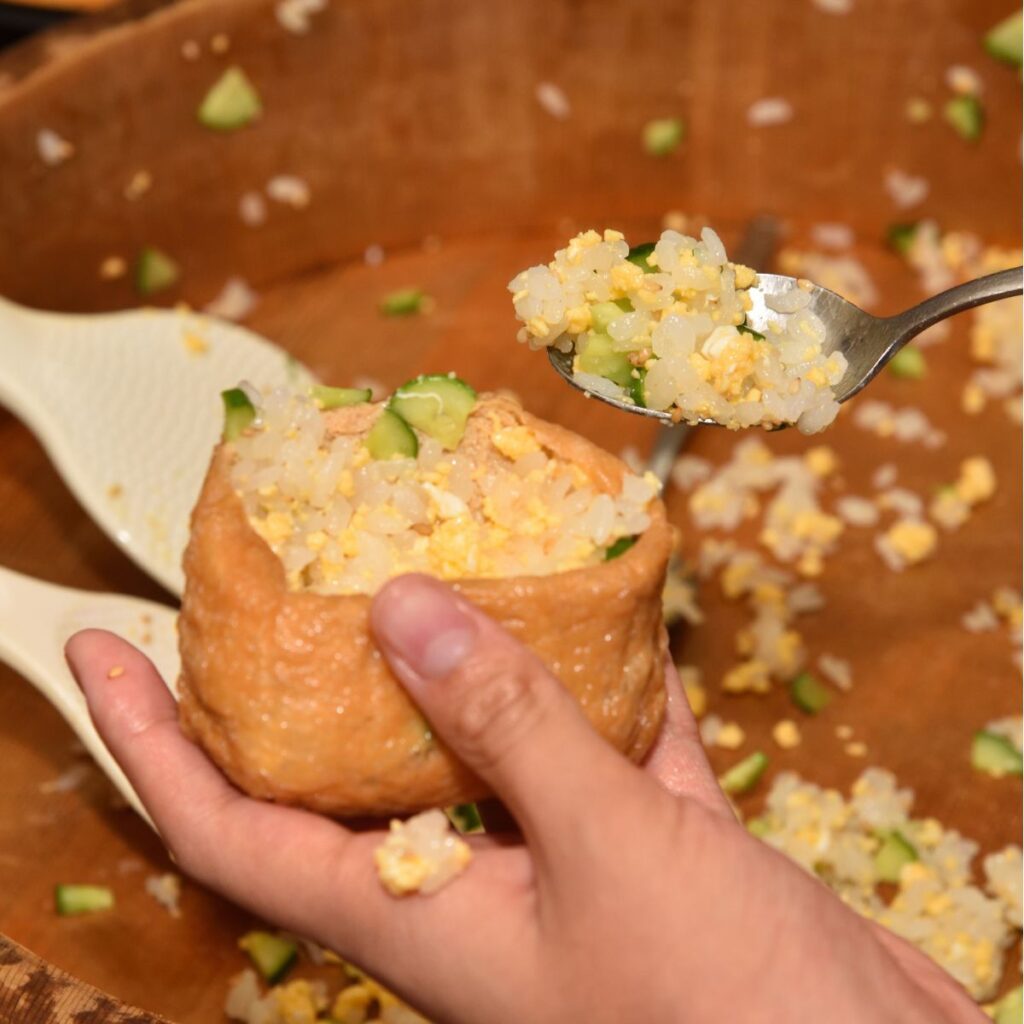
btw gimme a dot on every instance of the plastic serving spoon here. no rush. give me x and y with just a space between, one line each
128 407
36 620
867 341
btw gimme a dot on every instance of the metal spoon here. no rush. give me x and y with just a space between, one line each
128 407
867 341
37 620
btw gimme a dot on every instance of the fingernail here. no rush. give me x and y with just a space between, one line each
420 621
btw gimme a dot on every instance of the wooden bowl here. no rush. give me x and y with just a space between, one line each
417 128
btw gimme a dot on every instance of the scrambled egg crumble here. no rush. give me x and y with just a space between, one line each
421 855
500 504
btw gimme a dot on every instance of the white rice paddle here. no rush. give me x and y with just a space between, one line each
38 618
128 407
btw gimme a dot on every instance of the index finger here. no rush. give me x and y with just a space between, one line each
279 861
677 759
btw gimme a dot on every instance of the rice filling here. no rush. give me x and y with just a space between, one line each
499 505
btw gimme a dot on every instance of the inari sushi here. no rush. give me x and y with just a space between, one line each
312 502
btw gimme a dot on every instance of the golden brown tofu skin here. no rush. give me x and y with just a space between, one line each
287 692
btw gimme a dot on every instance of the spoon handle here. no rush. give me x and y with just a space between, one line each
1002 285
36 618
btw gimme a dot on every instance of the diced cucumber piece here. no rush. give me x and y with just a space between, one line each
663 135
759 827
154 271
466 818
900 237
336 398
966 115
392 438
239 413
995 754
1003 41
893 855
272 954
594 354
744 329
908 364
638 255
603 313
1010 1009
231 102
438 404
742 777
404 302
620 547
808 694
82 899
636 388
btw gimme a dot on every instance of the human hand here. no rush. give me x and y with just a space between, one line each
631 894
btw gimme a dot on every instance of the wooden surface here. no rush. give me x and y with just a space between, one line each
417 128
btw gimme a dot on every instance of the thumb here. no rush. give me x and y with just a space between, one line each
501 711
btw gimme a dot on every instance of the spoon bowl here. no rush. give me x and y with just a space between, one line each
128 407
868 342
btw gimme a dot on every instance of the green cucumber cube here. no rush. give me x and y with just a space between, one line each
231 102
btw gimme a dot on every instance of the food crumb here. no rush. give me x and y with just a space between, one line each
190 50
855 748
220 43
675 220
730 736
553 100
115 672
252 209
696 695
294 15
962 80
69 780
906 190
977 480
786 734
972 399
421 854
917 110
821 461
235 301
112 268
115 491
834 6
195 344
770 111
907 542
138 185
53 149
166 890
844 732
290 190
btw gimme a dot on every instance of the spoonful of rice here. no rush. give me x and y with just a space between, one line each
673 330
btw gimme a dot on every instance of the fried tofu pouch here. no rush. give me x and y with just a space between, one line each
287 692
